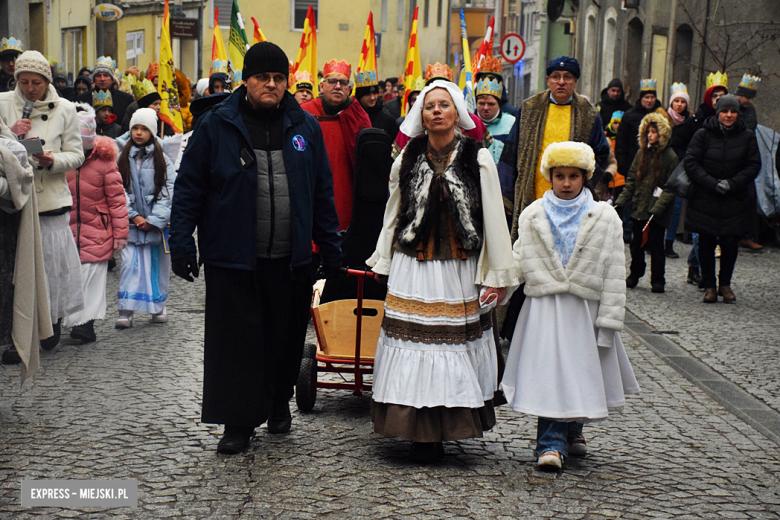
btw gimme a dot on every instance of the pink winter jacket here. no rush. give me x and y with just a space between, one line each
99 211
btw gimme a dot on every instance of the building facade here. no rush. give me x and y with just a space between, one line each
669 40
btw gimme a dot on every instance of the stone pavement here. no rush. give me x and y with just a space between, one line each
128 406
739 343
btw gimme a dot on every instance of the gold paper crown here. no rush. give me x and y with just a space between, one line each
143 88
491 66
717 79
492 87
365 78
750 82
337 67
219 66
301 80
418 84
647 84
101 98
676 88
437 70
11 44
153 71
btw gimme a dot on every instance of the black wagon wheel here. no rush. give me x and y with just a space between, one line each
306 387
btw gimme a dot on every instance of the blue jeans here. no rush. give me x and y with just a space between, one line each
555 435
673 225
693 257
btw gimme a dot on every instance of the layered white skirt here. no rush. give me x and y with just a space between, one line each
555 368
436 347
62 266
93 275
143 278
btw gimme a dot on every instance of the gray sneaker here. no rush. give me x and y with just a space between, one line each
160 317
125 320
577 446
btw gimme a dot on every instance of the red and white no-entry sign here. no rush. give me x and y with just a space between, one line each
512 47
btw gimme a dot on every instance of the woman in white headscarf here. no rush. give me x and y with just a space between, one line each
444 239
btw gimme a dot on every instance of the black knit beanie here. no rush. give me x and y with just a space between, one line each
265 57
364 91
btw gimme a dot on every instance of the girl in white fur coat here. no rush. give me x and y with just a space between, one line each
567 364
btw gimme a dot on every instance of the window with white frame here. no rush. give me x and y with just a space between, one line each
134 47
72 49
299 10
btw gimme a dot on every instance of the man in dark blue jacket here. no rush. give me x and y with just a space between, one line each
256 182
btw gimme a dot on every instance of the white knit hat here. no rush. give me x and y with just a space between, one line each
146 117
203 84
32 61
86 115
568 153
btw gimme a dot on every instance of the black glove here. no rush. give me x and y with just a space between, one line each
324 272
723 187
183 267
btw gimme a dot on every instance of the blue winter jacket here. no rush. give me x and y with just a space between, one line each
216 189
140 194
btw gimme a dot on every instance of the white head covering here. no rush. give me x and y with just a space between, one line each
202 85
86 115
412 125
146 117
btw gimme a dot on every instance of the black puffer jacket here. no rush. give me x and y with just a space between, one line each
608 106
680 139
712 156
685 132
626 144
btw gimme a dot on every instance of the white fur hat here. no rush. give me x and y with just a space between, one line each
32 61
568 153
146 117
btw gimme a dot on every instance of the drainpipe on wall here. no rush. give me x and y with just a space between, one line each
669 69
702 84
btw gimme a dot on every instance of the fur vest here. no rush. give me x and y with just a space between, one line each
416 218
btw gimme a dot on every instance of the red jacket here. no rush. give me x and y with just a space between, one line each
99 211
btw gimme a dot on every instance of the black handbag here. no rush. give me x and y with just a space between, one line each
679 183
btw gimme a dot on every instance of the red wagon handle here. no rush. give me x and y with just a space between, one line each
361 275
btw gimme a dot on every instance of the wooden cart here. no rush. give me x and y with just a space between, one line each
347 335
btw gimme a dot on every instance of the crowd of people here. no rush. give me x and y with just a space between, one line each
527 207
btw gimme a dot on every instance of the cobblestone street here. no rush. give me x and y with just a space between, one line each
128 407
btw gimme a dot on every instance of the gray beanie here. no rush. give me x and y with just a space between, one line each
726 102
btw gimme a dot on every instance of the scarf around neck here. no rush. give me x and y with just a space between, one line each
676 118
564 217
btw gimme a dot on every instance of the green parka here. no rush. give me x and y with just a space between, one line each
639 193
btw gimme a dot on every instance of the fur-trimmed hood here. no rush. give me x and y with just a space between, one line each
664 130
105 149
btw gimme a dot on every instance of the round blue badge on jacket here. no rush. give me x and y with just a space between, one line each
299 143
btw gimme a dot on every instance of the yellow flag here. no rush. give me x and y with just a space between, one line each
170 111
219 59
368 51
413 69
258 36
307 53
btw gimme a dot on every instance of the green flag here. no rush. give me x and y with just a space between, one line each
238 44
